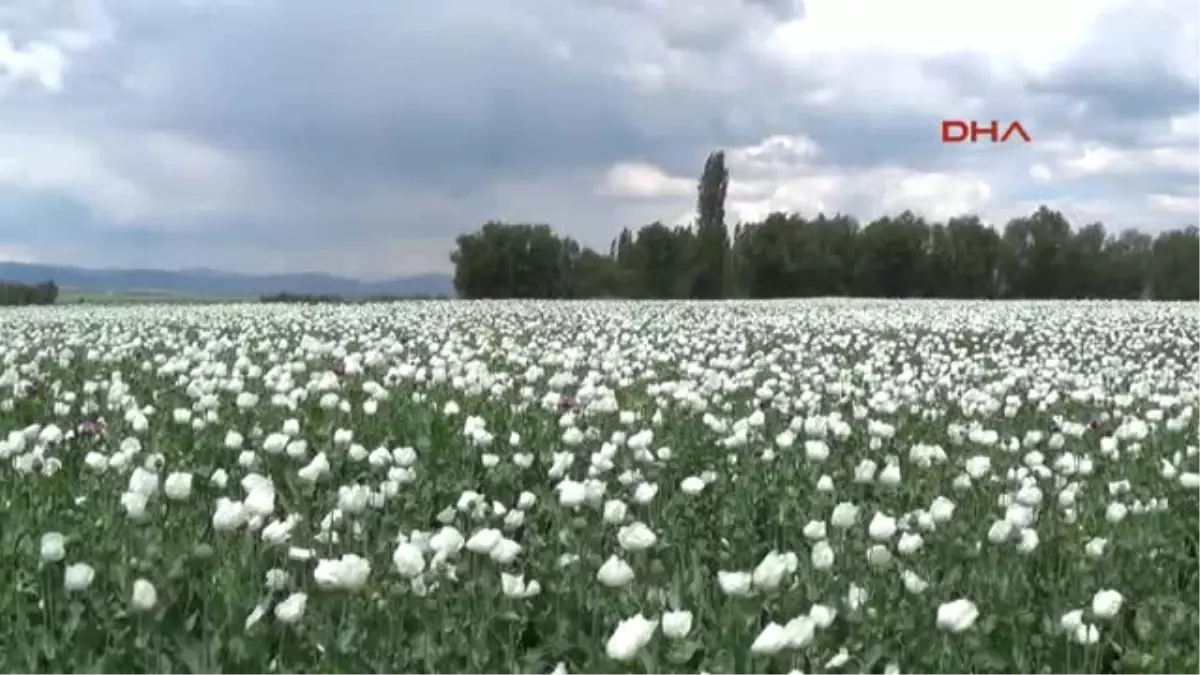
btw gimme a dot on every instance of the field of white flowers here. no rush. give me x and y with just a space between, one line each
822 486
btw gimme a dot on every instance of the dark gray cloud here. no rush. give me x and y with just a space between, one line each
372 123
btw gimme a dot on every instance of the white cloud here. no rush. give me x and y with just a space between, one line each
64 28
1188 206
36 62
780 174
1029 32
127 178
1096 160
640 181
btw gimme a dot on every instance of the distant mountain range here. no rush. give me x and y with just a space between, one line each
206 282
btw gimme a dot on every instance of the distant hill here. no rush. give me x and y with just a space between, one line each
205 282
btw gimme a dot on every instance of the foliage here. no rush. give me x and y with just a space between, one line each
709 278
15 293
527 261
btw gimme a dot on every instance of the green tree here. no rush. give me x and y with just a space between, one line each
787 255
657 261
513 261
1036 256
892 258
16 293
1176 265
1130 265
975 251
712 239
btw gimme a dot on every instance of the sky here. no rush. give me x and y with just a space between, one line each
360 138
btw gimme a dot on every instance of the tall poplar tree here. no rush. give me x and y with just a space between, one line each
712 239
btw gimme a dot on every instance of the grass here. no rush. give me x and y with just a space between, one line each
69 296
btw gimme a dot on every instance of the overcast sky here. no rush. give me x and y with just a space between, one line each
360 137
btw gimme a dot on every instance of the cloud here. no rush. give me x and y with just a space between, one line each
361 139
783 173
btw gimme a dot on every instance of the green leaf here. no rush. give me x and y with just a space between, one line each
873 659
682 652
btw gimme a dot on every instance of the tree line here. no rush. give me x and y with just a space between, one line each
788 255
15 293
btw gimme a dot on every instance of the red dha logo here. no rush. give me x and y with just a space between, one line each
957 131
